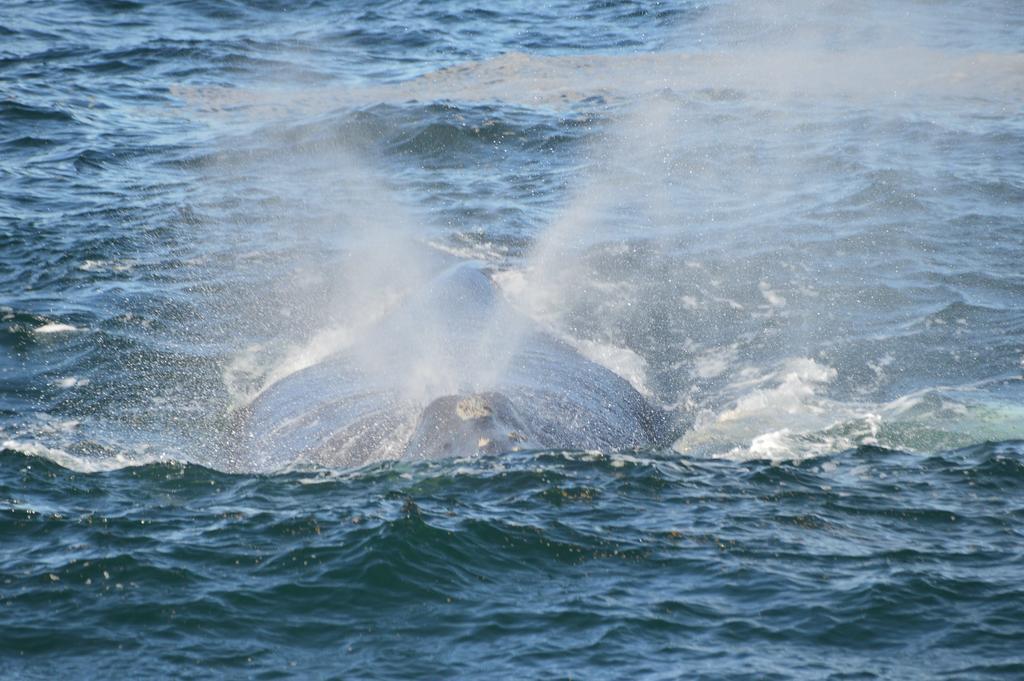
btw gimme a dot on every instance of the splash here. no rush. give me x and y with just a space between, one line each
689 256
714 174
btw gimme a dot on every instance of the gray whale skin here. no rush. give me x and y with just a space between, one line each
452 371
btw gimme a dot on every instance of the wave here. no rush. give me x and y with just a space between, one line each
82 464
529 553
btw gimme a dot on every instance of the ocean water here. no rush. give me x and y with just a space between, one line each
796 228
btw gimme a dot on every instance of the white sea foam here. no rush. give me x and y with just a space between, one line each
53 425
772 415
799 381
77 463
484 251
56 327
785 415
105 266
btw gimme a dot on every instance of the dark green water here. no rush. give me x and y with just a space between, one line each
868 563
796 230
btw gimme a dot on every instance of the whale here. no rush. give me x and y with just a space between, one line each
454 370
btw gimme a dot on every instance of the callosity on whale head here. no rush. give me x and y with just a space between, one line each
455 425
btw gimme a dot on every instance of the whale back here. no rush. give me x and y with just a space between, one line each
452 371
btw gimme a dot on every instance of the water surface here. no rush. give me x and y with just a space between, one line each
798 231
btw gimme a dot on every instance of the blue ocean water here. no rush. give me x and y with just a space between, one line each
797 230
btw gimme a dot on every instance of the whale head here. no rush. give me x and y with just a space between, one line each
467 425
